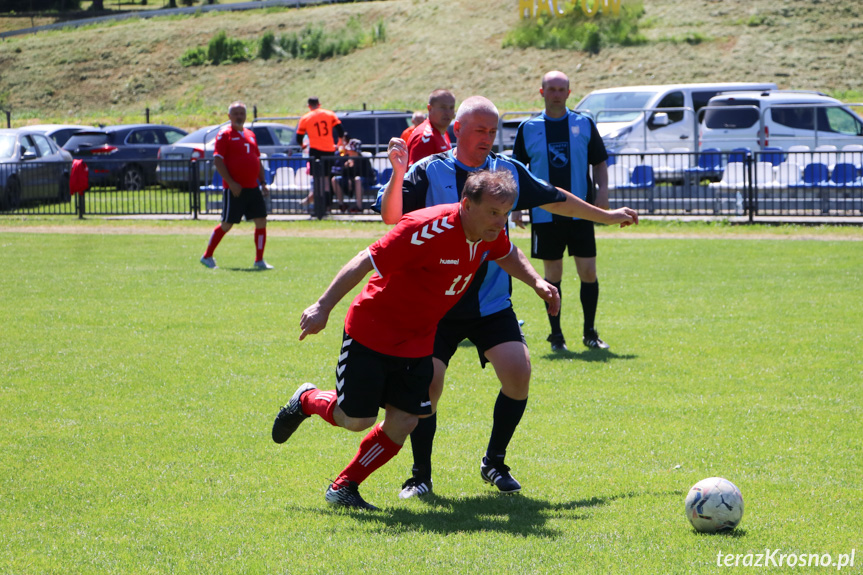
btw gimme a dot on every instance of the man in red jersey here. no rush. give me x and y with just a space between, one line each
422 267
238 161
431 137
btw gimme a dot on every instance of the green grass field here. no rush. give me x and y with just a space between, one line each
137 392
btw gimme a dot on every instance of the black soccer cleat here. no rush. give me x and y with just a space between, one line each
415 487
591 340
558 343
291 415
498 475
348 496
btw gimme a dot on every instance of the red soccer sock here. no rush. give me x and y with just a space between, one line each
375 450
217 236
318 402
260 242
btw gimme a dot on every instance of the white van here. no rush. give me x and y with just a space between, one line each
633 116
779 119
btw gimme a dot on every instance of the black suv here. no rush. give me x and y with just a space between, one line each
374 127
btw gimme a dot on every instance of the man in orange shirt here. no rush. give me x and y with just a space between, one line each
417 119
320 125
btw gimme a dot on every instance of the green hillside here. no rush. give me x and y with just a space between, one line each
111 73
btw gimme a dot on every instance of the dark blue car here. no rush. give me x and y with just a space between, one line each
122 156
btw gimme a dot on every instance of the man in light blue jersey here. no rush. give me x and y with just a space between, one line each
560 146
484 314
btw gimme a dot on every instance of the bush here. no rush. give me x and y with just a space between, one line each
573 30
220 49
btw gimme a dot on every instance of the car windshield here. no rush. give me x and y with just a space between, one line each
86 140
7 146
602 105
197 137
732 114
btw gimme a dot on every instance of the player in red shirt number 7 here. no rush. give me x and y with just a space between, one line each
421 268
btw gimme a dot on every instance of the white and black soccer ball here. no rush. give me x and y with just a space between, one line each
714 504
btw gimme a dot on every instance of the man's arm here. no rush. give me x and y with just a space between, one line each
574 207
600 178
392 203
517 265
219 163
314 319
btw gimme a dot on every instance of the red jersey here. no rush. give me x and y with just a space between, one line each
239 151
319 124
425 140
422 267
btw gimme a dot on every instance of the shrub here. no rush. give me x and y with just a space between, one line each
573 30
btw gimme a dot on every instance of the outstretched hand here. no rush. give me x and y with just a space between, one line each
313 320
624 217
550 295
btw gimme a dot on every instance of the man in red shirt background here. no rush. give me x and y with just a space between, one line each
431 137
238 161
417 119
422 267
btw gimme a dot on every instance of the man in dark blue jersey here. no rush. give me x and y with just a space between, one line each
560 145
484 315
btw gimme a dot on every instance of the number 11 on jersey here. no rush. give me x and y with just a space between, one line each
452 290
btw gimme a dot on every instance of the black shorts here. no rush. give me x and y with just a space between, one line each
484 332
327 160
548 240
250 203
367 380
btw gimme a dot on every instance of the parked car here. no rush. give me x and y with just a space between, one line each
778 119
173 170
32 167
631 117
374 127
60 133
123 156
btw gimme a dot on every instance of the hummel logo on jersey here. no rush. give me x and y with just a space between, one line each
449 262
426 139
435 229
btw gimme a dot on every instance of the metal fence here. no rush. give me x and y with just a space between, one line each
178 187
765 183
739 183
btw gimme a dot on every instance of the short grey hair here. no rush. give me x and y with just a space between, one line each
236 104
476 104
492 184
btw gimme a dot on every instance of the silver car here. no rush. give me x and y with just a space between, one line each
174 159
60 133
32 167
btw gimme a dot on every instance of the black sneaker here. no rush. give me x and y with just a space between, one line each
498 475
557 342
348 496
415 487
591 339
291 415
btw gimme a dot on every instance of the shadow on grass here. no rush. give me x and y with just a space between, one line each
515 515
588 355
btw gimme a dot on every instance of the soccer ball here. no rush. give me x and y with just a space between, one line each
714 504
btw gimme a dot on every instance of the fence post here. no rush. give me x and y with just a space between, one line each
194 188
147 115
9 119
318 188
80 205
750 188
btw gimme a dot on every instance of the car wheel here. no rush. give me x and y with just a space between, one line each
11 195
133 178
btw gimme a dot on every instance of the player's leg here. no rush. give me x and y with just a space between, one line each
406 397
447 338
500 341
228 221
583 248
548 244
358 193
256 211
